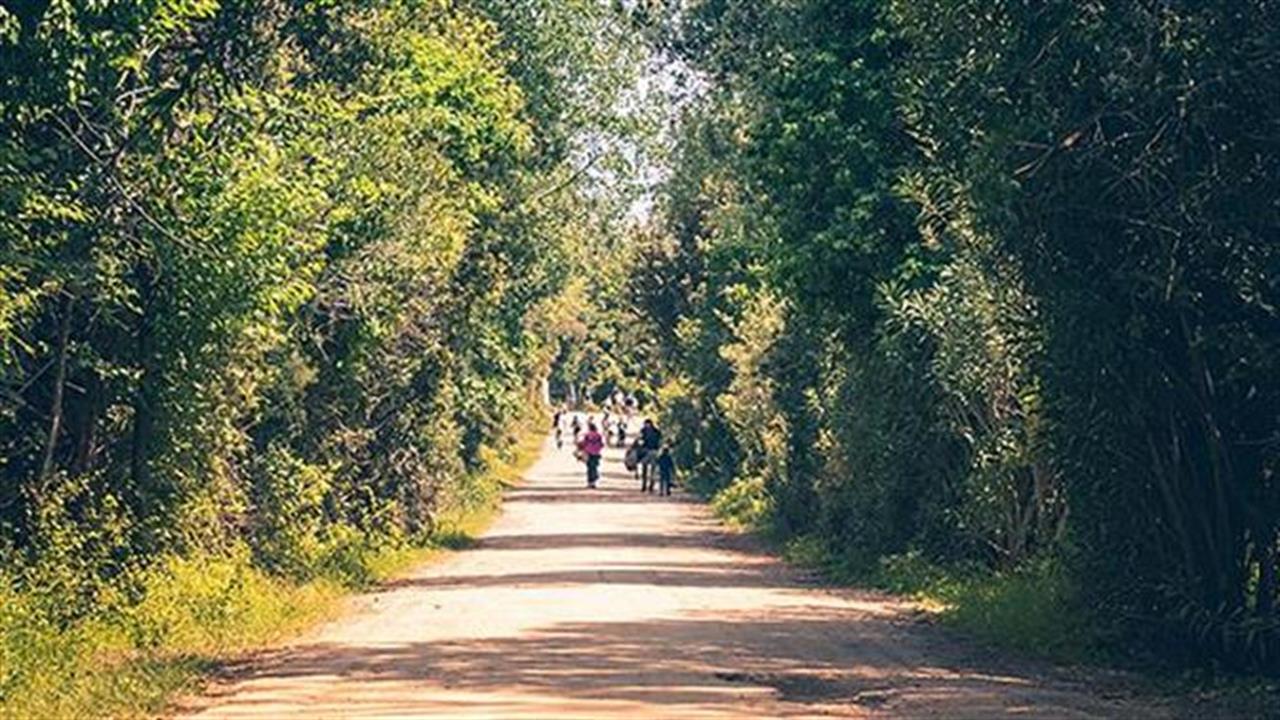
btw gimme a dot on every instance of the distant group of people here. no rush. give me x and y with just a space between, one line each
647 456
612 428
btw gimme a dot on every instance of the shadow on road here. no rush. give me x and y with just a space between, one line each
798 654
652 576
627 604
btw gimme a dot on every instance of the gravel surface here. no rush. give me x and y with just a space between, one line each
611 603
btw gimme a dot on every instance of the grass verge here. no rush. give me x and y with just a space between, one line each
187 616
128 658
1029 610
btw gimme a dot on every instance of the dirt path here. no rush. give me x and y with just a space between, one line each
607 603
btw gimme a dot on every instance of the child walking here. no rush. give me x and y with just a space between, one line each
666 471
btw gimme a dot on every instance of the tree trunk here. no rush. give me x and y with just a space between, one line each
59 385
82 425
143 416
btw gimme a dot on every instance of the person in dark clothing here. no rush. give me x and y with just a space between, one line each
666 471
650 436
650 443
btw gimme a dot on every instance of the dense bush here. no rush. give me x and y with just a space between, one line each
991 284
270 276
980 285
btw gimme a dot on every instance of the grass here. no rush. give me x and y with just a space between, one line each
1032 612
1029 610
129 658
457 525
133 655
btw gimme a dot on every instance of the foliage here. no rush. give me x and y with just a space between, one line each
1030 609
967 285
132 655
154 635
269 282
989 286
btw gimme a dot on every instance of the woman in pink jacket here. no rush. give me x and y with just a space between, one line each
592 445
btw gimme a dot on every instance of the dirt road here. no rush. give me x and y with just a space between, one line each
609 603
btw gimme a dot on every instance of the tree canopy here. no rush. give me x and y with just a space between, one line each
988 285
940 283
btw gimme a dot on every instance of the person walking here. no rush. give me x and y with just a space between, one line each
592 445
666 471
650 443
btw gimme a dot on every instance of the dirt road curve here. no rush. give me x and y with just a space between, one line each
607 603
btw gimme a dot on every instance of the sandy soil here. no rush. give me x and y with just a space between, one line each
610 603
